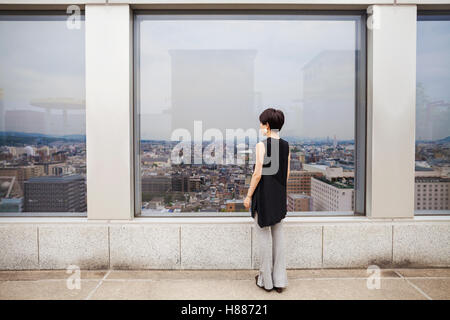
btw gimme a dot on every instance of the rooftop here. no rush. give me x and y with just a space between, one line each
55 179
432 179
337 184
298 195
234 201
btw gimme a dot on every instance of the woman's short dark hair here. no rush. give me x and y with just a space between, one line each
275 118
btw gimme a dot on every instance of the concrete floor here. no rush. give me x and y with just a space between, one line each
224 284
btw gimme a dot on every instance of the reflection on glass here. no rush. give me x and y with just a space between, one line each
42 116
432 167
204 75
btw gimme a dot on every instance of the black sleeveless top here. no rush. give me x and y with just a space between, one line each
269 198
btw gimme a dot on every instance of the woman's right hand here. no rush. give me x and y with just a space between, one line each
247 202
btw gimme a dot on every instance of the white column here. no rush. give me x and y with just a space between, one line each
391 95
109 113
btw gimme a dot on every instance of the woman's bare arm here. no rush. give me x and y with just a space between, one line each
256 177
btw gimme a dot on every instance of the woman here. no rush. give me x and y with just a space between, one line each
267 198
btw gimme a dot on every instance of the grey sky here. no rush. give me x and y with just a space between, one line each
41 59
283 48
433 58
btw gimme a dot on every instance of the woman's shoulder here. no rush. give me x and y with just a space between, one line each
284 142
260 145
285 147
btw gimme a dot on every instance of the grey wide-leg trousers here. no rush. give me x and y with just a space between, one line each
270 240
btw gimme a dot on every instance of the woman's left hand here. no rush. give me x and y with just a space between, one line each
247 202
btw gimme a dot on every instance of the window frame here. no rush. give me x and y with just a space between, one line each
360 121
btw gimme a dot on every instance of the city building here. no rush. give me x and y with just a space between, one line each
235 205
298 202
194 70
54 168
432 193
156 184
55 194
11 204
300 181
322 90
195 184
332 195
180 183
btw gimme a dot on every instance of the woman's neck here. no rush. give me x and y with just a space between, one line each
274 135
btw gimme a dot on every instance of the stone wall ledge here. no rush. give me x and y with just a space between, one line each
221 243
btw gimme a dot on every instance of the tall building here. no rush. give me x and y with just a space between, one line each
432 193
329 94
54 168
295 163
300 181
195 184
298 202
185 183
180 183
229 75
156 184
55 194
332 194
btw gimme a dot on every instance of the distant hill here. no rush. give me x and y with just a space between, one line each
444 140
13 138
315 140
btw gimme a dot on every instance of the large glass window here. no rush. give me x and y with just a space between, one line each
432 167
42 114
205 76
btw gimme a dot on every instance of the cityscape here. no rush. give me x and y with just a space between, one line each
39 173
319 170
42 174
